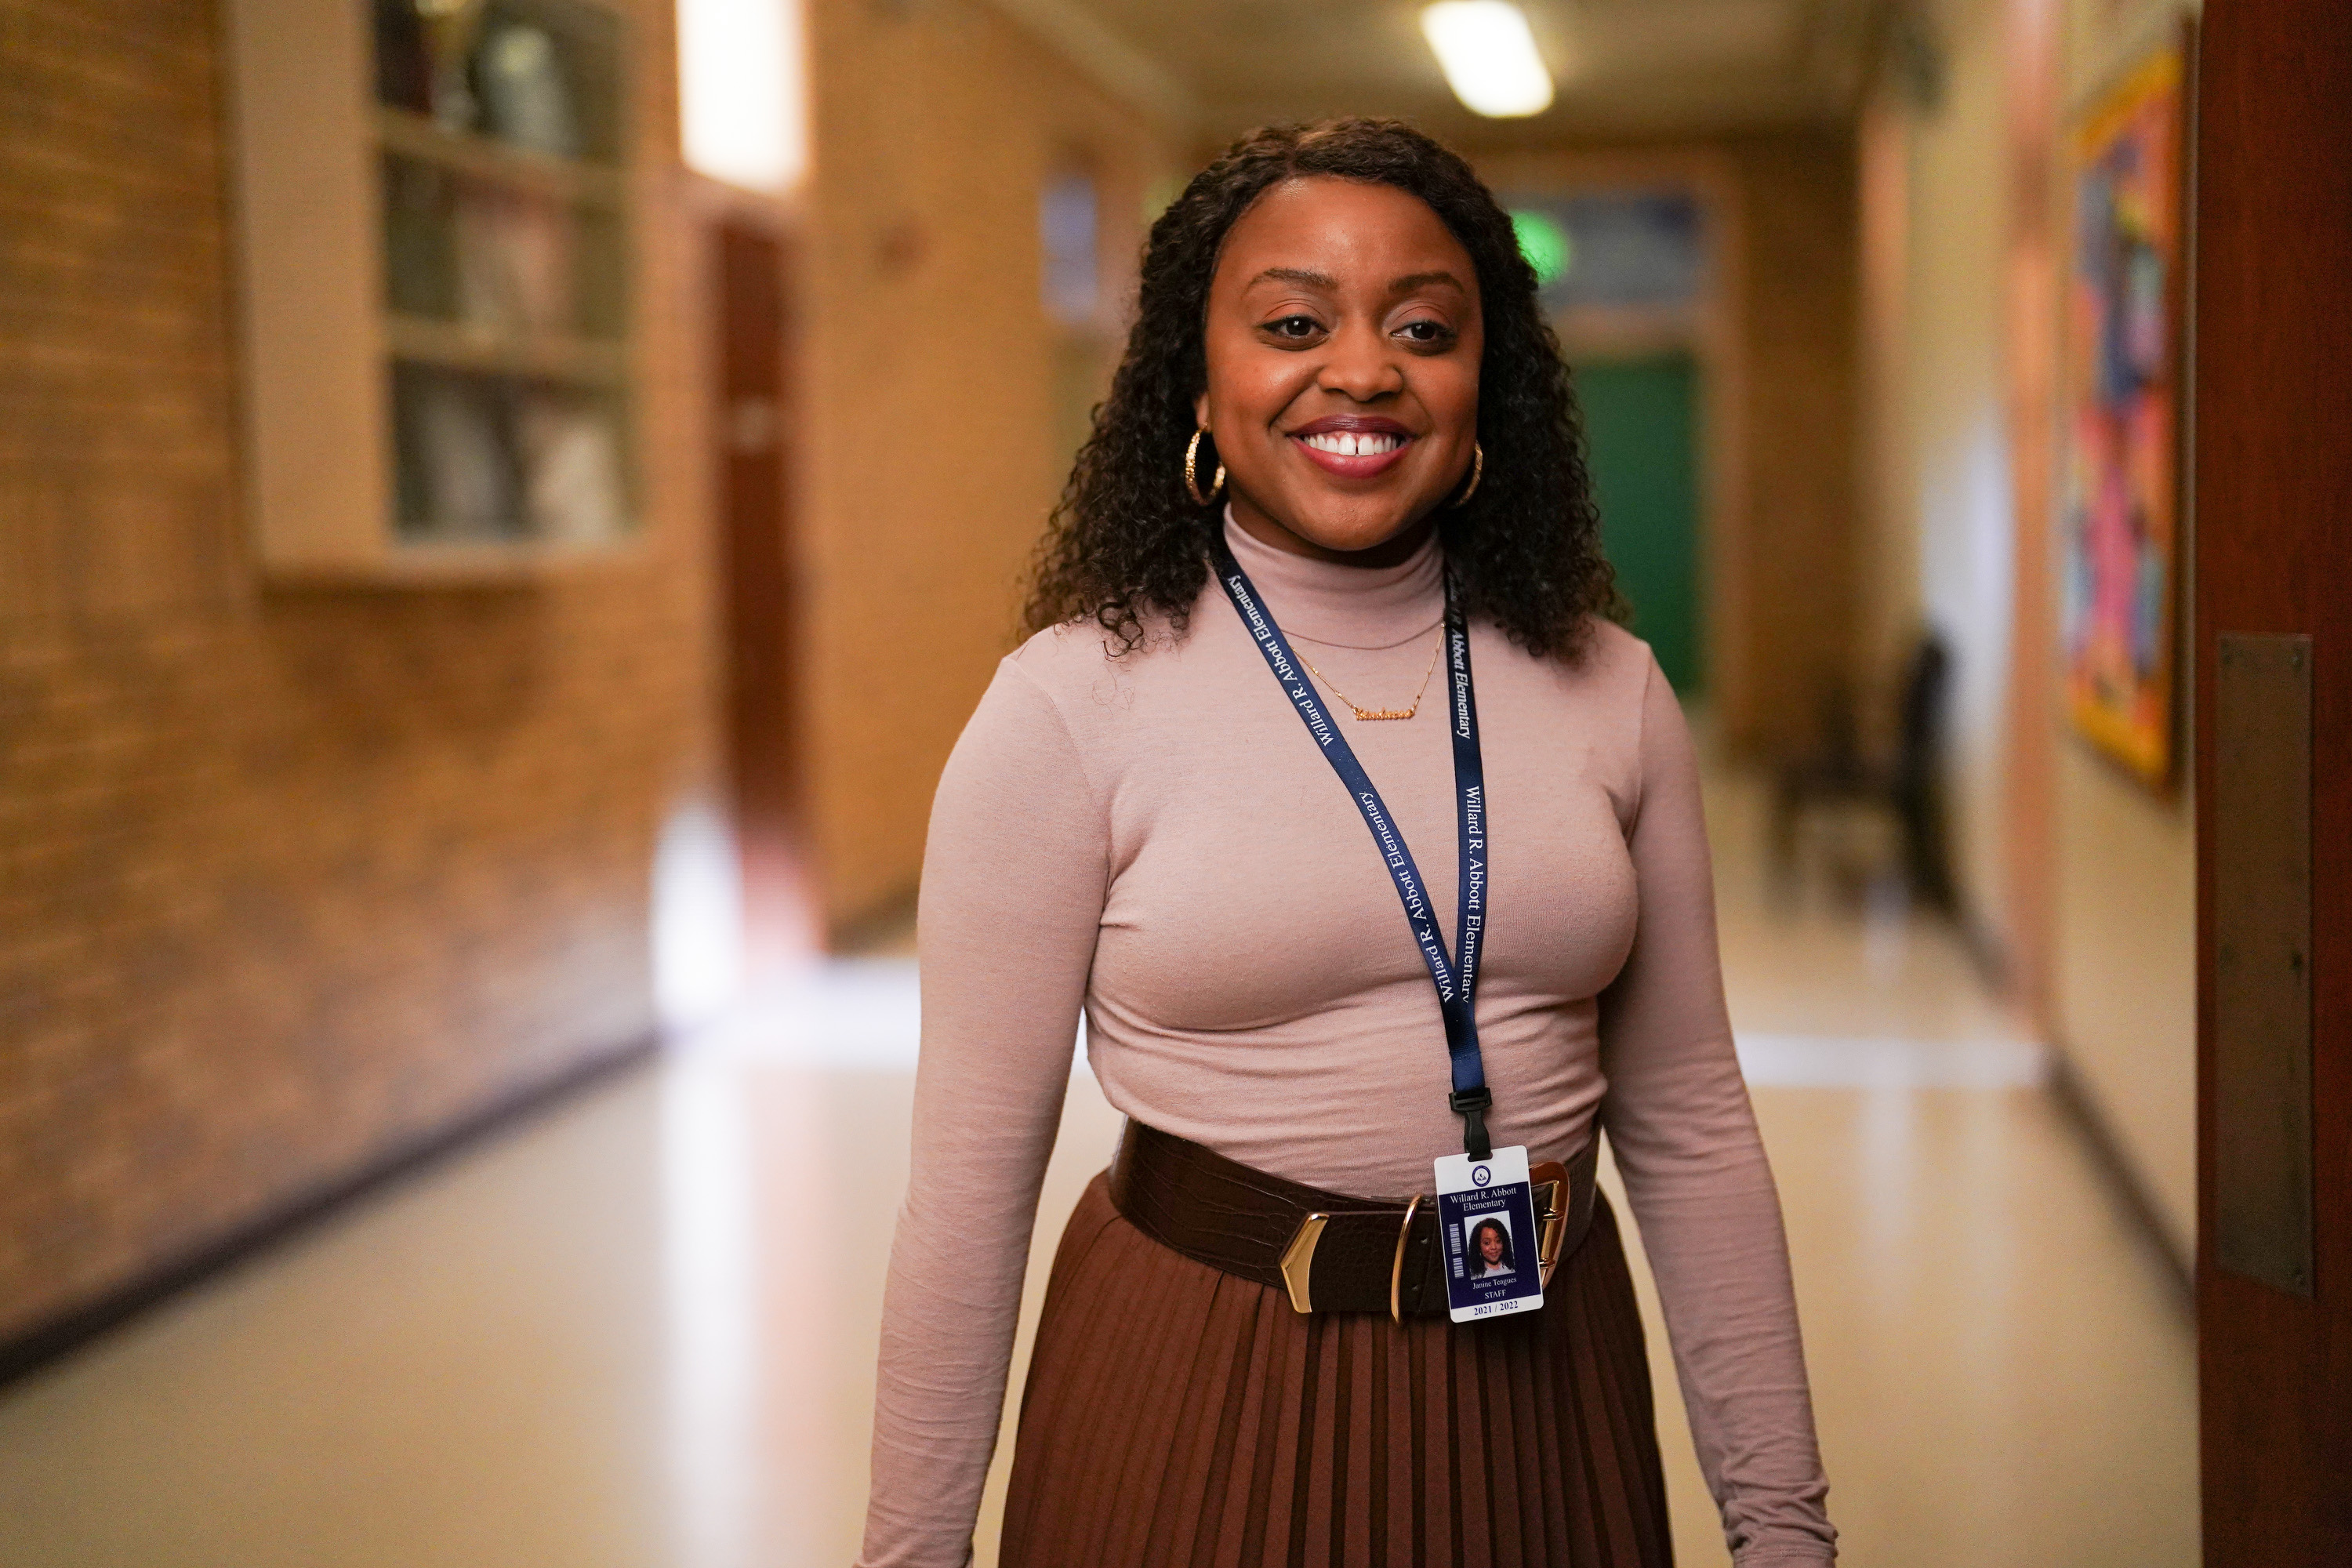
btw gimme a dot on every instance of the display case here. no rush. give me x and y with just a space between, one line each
434 222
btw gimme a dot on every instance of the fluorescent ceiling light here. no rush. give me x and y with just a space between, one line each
1488 56
742 91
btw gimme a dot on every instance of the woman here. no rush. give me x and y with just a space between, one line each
1490 1248
1340 449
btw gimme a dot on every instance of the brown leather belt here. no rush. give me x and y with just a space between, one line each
1331 1254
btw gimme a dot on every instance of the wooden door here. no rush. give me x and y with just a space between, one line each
2273 519
754 497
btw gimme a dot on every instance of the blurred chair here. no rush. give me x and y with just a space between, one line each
1905 785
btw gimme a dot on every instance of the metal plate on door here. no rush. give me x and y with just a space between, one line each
2262 960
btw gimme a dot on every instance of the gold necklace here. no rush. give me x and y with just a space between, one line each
1385 712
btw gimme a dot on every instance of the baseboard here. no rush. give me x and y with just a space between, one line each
2123 1180
1982 941
1989 955
76 1326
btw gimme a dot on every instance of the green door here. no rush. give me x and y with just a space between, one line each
1641 428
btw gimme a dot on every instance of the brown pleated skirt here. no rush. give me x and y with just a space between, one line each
1177 1415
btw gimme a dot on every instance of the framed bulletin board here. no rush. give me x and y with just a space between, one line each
2120 499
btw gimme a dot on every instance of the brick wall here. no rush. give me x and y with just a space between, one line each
287 879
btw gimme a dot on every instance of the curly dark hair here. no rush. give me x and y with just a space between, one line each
1126 543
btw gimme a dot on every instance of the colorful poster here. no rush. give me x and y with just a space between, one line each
2120 502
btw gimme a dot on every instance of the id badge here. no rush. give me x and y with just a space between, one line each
1487 1225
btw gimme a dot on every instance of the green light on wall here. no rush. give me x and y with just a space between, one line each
1545 244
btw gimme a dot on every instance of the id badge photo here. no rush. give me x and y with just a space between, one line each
1487 1225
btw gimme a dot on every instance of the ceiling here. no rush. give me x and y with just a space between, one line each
1623 68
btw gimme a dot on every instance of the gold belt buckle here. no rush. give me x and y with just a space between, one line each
1552 1195
1396 1264
1298 1261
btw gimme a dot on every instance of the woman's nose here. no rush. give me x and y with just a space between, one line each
1360 366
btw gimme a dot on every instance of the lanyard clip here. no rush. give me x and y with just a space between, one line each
1472 1106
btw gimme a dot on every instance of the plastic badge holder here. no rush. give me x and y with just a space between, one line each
1474 1199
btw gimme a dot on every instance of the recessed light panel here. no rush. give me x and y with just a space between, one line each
1488 56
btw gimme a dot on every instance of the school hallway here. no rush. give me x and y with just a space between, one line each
506 508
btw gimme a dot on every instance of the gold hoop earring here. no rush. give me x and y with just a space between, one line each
1192 472
1477 472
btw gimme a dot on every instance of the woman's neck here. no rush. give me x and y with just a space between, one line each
1344 599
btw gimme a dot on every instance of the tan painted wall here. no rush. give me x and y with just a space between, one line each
1954 423
289 880
1887 530
2125 983
2119 881
931 386
2125 997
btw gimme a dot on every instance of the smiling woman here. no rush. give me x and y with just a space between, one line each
1341 440
1453 295
1342 394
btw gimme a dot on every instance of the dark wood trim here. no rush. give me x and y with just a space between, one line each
2273 470
754 467
77 1326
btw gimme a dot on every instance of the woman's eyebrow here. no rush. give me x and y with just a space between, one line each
1309 278
1412 280
1312 280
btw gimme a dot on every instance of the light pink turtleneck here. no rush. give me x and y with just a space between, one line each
1155 837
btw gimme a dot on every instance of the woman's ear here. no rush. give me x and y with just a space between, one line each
1200 410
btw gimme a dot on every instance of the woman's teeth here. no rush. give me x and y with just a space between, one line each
1353 443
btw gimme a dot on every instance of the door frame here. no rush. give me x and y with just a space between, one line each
1709 332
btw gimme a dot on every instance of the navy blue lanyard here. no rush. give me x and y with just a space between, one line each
1457 978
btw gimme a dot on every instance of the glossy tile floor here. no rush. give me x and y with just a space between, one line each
639 1330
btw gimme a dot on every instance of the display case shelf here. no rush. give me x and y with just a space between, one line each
418 136
456 345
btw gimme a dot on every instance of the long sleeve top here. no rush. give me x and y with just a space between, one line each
1153 836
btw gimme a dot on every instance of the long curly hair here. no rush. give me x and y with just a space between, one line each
1126 547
